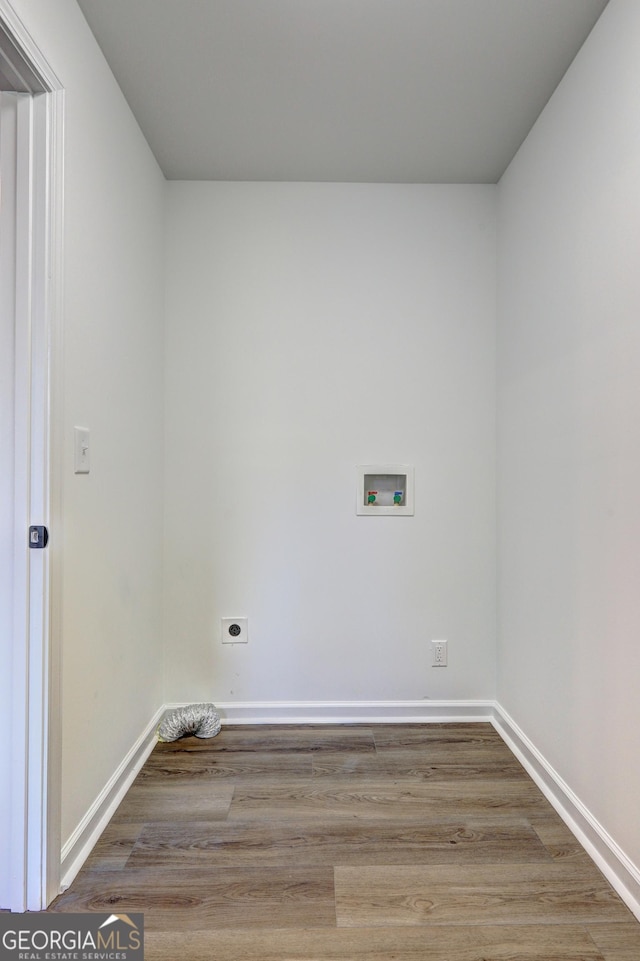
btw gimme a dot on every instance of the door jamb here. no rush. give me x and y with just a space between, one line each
35 808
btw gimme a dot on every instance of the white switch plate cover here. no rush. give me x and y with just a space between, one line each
81 461
235 630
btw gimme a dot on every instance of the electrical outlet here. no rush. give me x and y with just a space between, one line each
235 630
439 653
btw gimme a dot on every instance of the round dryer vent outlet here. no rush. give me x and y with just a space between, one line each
234 630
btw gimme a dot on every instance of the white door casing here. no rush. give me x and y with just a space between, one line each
8 120
30 398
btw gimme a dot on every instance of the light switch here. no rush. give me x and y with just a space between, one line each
81 450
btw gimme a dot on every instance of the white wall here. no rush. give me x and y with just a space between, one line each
314 327
111 537
569 428
311 328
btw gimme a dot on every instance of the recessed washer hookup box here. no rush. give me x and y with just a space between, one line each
384 490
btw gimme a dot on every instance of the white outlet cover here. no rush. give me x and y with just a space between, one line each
439 653
234 630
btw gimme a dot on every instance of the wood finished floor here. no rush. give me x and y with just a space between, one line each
350 843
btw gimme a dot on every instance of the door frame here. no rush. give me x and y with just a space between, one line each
35 723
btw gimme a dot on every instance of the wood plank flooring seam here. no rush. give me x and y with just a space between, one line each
356 843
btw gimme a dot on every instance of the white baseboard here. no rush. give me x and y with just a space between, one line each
352 712
76 850
620 871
